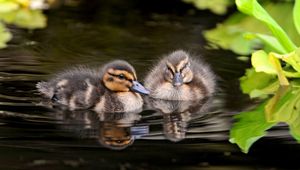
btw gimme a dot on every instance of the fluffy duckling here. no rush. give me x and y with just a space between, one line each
113 88
178 76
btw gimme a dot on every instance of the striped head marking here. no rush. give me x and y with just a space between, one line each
118 80
120 76
178 69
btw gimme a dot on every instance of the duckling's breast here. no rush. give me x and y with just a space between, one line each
119 102
184 92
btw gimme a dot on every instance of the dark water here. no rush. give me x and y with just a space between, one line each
165 135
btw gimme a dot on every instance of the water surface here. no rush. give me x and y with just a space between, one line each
165 135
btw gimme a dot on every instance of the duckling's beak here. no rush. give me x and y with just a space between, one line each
177 80
137 87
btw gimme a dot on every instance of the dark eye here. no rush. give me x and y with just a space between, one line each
121 76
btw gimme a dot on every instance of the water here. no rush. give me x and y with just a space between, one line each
165 135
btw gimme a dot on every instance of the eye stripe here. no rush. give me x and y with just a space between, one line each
117 76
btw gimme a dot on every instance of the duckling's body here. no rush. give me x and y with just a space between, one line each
103 90
179 76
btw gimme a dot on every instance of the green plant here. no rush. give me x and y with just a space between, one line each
276 73
22 13
243 33
216 6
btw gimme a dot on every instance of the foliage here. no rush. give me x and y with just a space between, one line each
22 13
243 34
4 36
284 106
216 6
260 81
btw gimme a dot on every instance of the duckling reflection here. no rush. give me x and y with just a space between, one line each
177 114
115 131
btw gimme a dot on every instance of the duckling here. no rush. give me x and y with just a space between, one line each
112 88
179 76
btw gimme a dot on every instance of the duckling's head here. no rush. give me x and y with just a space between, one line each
115 137
120 76
177 68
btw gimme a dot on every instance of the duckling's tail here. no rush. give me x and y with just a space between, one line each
45 89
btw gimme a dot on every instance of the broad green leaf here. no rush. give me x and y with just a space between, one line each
255 80
5 36
8 6
295 128
230 37
253 8
249 127
30 19
216 6
269 41
233 30
286 109
265 92
296 14
291 74
261 63
273 102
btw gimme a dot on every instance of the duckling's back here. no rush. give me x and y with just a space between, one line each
79 88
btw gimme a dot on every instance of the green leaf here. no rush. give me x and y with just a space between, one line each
5 36
269 41
261 63
250 127
30 19
253 8
216 6
255 80
287 107
234 29
8 6
231 37
295 129
265 92
296 14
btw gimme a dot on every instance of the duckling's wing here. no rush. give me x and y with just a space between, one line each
204 73
45 89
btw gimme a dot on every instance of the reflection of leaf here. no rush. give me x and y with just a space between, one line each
253 8
5 36
250 127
